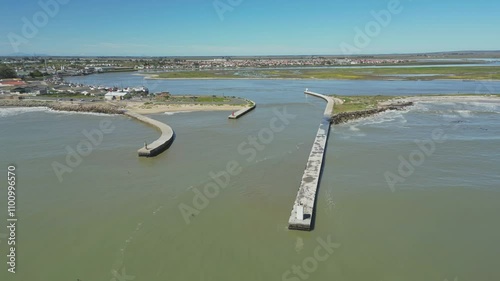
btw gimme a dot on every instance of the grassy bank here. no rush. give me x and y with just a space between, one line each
355 107
357 103
347 73
200 100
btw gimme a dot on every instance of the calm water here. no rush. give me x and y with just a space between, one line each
262 91
118 212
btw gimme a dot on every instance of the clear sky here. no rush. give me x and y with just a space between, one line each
245 27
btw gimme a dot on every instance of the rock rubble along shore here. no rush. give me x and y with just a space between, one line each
92 108
345 117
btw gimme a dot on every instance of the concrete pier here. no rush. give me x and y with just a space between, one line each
302 215
162 143
243 111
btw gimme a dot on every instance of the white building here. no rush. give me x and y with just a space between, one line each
114 95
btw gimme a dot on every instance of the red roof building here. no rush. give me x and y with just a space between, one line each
12 82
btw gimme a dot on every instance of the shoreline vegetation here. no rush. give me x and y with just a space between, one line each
409 73
188 103
348 108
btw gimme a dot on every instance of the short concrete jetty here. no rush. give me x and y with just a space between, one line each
162 143
302 215
243 111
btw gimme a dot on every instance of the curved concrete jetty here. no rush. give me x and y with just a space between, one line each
302 215
243 111
330 102
162 143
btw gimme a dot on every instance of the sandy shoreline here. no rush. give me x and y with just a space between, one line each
152 109
142 108
118 107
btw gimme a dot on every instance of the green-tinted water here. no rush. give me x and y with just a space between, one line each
117 214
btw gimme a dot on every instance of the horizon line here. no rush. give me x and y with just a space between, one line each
267 55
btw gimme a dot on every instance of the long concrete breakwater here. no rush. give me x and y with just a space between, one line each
162 143
243 111
302 215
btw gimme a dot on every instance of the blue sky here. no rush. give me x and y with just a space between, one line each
246 27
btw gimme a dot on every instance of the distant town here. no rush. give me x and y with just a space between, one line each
44 75
34 66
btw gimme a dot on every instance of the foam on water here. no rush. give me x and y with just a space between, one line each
14 111
457 110
447 110
485 107
353 128
390 116
465 113
420 107
347 131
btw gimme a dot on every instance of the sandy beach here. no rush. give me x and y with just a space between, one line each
151 109
145 108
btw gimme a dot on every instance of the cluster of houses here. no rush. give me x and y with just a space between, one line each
18 87
48 66
55 85
262 63
120 94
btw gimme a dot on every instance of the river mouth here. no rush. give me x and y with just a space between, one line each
116 212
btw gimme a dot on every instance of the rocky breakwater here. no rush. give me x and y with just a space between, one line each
93 108
345 117
77 107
